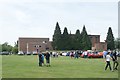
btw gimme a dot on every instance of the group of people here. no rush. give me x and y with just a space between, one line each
74 54
41 59
111 55
107 55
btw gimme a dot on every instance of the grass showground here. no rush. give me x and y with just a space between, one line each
15 66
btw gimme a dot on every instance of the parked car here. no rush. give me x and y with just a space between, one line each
80 52
95 55
84 54
68 54
28 53
64 54
4 53
92 54
20 53
35 53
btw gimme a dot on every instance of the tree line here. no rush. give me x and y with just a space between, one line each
6 47
66 41
79 41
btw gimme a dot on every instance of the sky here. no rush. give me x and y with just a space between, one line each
37 18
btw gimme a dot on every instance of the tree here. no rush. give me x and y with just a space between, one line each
72 41
77 42
6 47
15 48
85 40
0 47
57 38
110 39
117 43
66 40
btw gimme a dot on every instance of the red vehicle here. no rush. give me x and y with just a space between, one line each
84 54
91 54
95 55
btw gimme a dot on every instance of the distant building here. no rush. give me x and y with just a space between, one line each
96 44
94 39
101 46
33 44
26 44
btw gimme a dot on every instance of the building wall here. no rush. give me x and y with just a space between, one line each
96 44
32 44
94 39
28 44
101 46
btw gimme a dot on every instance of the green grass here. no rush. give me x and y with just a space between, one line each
15 66
0 66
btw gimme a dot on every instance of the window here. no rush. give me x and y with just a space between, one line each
96 39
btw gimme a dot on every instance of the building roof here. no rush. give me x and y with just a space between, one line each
93 35
31 38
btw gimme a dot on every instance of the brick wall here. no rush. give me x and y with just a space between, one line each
32 44
94 39
101 46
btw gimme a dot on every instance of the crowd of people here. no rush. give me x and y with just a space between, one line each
74 54
107 55
47 56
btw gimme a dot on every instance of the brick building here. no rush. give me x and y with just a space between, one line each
96 44
33 44
42 44
101 46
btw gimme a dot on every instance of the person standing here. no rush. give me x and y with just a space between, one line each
40 59
72 54
76 55
104 54
47 56
85 54
108 61
115 61
43 58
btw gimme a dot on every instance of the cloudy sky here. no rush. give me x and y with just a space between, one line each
37 18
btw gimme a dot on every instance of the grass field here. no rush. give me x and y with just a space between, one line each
0 66
15 66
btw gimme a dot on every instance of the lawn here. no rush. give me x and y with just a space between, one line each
15 66
0 66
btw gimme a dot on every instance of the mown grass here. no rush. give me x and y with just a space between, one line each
15 66
0 66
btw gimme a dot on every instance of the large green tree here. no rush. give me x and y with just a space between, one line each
72 41
117 43
0 47
85 40
6 47
57 38
110 39
65 40
77 40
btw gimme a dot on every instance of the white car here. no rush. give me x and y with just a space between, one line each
28 53
64 54
34 53
20 53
